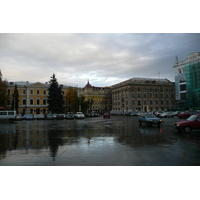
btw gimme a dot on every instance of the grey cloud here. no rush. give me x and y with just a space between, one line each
100 57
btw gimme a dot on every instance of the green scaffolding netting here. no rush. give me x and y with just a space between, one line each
193 84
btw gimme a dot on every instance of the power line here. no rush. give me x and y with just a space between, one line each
151 53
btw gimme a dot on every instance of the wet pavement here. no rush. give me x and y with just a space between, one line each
118 141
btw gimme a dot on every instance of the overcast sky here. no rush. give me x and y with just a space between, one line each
105 59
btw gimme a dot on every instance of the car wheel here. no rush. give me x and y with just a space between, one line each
187 129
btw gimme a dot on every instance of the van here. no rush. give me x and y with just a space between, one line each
8 115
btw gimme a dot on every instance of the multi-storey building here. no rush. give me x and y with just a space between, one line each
32 96
99 98
187 81
143 94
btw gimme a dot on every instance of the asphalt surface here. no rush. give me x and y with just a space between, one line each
118 141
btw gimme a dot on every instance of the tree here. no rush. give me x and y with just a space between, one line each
107 101
3 92
72 100
55 96
15 100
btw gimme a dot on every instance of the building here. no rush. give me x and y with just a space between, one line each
143 94
32 97
99 98
187 81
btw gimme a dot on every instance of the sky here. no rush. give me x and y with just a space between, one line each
104 59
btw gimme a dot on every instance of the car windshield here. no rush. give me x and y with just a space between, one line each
192 118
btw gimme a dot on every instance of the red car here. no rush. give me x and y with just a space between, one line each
106 115
184 114
193 122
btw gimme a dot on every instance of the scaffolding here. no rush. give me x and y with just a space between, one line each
193 84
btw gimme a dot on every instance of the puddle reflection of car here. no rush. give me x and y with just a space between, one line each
149 120
150 131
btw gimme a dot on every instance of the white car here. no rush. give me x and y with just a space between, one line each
79 115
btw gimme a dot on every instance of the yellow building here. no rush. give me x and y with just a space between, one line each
32 97
97 96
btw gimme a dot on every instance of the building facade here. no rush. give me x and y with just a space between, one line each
32 97
187 81
99 98
143 94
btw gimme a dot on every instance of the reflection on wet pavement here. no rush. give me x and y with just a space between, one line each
119 141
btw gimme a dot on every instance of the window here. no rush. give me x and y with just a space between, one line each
139 103
24 102
145 95
138 94
132 95
38 101
44 101
38 91
31 91
44 91
182 79
156 102
31 101
183 96
183 87
24 91
150 102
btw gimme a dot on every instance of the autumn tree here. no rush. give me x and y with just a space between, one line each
55 96
75 101
3 92
72 100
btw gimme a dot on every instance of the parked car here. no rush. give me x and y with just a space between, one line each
184 114
61 116
167 114
193 122
55 116
18 117
40 117
106 115
149 120
35 116
93 114
49 117
79 115
70 115
29 117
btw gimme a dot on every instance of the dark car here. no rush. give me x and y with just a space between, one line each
106 115
193 122
149 120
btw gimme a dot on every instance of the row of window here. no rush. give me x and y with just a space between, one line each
145 95
147 89
145 102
